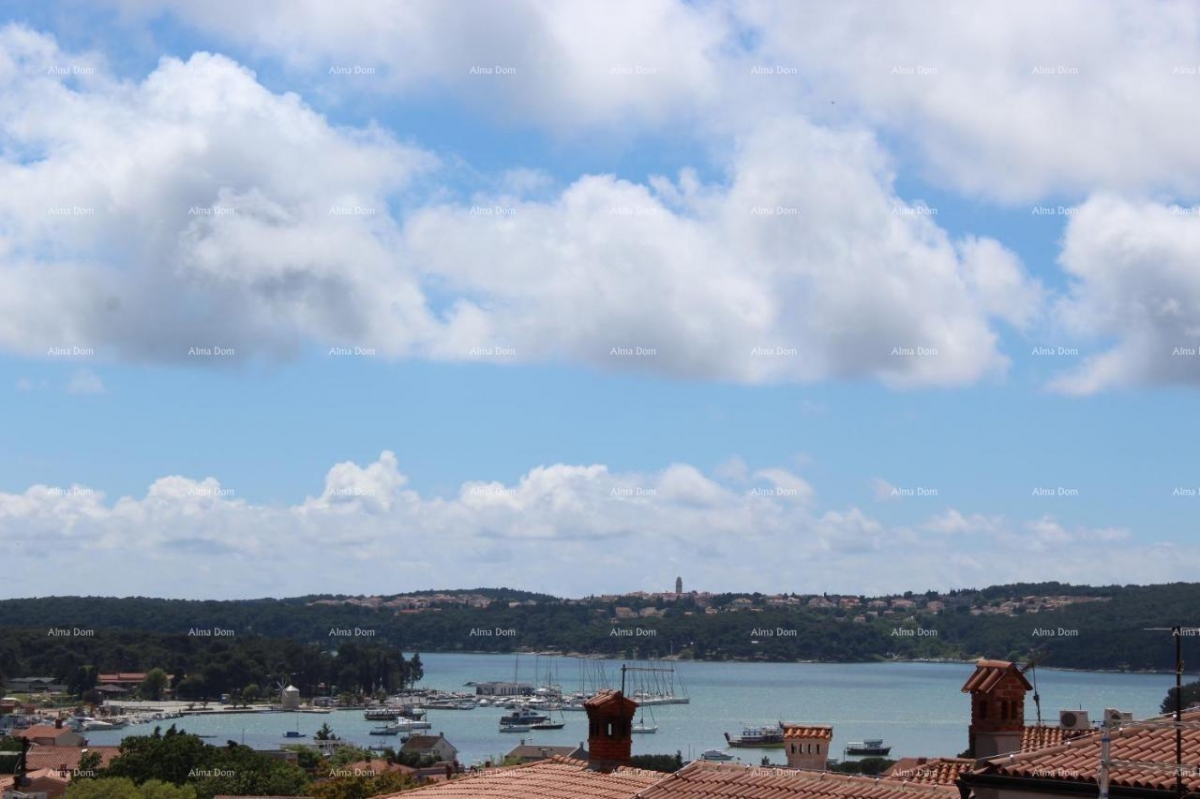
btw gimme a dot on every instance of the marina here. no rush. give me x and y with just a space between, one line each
916 708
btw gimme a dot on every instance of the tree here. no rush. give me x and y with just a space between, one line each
362 787
415 672
125 788
1191 695
251 692
169 757
153 685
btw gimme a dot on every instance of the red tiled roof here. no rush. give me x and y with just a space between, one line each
42 731
1143 753
558 778
989 673
604 698
702 780
808 731
929 771
1041 736
67 757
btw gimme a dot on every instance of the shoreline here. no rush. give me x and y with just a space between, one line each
880 661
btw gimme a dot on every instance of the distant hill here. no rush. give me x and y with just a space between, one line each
1070 626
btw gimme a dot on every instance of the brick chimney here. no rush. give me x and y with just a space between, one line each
610 730
997 690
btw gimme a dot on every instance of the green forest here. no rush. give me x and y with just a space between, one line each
357 647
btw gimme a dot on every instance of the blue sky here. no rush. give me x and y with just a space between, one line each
144 431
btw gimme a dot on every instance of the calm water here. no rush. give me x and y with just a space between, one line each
916 707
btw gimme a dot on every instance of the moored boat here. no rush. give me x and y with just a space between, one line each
765 737
868 746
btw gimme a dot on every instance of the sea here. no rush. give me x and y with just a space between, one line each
917 708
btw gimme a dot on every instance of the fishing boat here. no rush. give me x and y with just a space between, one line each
766 737
868 746
523 717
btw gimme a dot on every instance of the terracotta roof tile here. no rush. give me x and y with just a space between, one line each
558 778
989 673
67 757
821 732
1143 753
703 780
1041 736
929 771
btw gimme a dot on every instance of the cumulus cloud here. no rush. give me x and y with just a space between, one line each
197 217
200 537
806 266
1004 99
556 64
1011 100
192 215
1135 284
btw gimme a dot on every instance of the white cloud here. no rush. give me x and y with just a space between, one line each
633 530
196 217
1014 100
1134 283
956 81
806 266
556 64
194 209
85 381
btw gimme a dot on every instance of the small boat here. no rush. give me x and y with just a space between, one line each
516 727
294 734
408 725
642 728
715 754
387 729
550 725
868 746
523 717
758 738
381 714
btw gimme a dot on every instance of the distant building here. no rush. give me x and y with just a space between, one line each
678 586
435 746
46 735
807 745
503 689
34 685
290 697
532 753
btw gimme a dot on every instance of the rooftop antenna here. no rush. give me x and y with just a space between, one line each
1177 632
1035 658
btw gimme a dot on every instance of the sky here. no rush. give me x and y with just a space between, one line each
300 297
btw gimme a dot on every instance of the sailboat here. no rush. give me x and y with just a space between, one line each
296 732
642 728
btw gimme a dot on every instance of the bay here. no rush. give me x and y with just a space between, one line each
918 708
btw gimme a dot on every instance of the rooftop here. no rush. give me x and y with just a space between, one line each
702 780
929 771
990 673
558 778
1143 753
808 731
